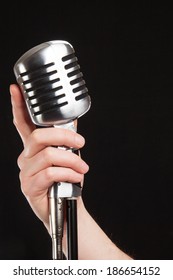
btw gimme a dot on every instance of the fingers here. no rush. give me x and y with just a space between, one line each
37 185
21 117
41 164
48 166
49 157
44 137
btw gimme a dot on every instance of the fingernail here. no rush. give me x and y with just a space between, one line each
80 141
84 167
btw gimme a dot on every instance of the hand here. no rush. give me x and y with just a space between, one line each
41 164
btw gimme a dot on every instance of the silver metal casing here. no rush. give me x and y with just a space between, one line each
52 84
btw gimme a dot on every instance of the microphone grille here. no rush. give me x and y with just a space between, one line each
52 84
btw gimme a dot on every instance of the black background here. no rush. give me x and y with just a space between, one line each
126 55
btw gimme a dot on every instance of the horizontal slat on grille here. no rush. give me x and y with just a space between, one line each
37 69
50 108
67 57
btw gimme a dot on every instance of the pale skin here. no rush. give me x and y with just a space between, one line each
41 164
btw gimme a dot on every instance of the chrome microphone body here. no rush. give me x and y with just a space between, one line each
55 93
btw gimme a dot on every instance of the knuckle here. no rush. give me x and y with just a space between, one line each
20 176
36 136
19 161
24 188
47 155
48 173
15 122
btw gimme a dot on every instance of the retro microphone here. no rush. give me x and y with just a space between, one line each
55 93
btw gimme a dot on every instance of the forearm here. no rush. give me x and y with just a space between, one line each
93 242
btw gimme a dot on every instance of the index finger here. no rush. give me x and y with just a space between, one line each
21 118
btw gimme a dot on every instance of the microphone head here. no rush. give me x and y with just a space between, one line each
52 84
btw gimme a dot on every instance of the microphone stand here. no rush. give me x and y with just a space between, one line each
63 201
72 242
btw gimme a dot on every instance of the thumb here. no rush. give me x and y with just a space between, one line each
21 118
